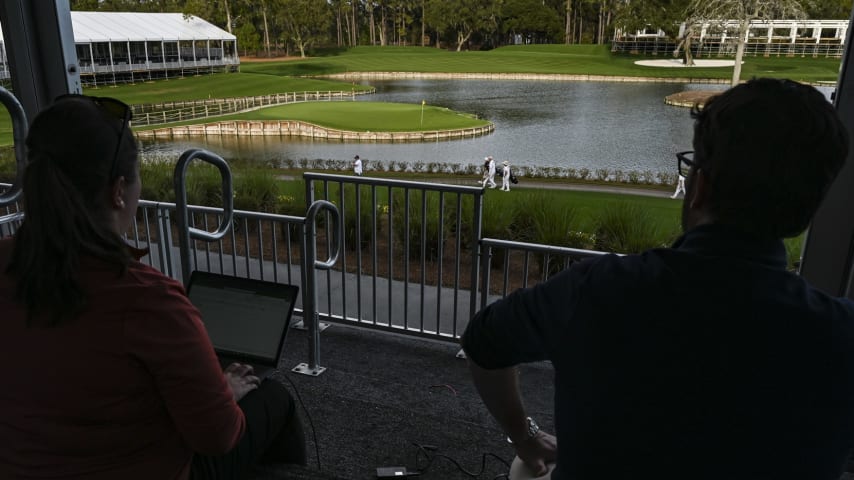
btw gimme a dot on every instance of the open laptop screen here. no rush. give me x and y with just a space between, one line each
243 317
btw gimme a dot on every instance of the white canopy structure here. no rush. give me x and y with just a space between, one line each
764 37
121 46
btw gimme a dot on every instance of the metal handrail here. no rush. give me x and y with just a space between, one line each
309 299
19 135
185 231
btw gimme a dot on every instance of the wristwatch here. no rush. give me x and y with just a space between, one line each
533 429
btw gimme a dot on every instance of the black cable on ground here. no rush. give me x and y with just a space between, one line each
426 451
308 416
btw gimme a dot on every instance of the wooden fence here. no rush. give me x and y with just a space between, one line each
170 112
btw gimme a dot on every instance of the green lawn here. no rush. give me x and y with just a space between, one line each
362 116
569 59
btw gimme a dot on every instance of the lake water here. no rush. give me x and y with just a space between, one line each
593 125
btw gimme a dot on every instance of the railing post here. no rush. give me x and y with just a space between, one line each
164 241
186 232
308 245
476 252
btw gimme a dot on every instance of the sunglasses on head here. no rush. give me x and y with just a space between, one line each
115 109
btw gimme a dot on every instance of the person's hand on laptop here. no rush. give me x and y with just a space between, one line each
240 379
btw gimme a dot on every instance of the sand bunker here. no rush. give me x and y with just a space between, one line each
677 63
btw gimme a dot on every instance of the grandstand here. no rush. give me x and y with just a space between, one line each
115 47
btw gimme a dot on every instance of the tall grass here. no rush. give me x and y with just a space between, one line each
254 189
625 227
416 215
356 216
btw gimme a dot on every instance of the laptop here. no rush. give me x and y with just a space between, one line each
246 319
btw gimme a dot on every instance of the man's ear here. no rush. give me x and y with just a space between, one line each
698 191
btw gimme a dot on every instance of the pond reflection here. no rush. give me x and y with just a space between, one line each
593 125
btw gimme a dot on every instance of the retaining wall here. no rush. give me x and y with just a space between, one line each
518 76
305 129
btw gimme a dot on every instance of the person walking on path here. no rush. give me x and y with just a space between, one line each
357 165
505 176
680 187
490 173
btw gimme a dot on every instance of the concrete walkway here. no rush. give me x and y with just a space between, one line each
525 184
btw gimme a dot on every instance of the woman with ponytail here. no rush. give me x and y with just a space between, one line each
108 372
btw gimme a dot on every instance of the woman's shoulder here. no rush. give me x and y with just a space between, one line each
145 277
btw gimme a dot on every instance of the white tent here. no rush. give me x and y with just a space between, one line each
116 46
94 27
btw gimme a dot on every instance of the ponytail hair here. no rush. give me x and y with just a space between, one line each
71 150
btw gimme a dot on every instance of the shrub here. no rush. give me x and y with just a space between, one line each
648 177
624 227
602 174
412 230
499 214
8 166
527 205
665 178
356 217
584 173
204 185
556 225
157 180
633 176
291 199
256 190
287 164
571 173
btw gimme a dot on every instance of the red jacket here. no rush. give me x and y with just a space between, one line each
129 389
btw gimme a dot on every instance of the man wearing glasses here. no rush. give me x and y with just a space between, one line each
708 359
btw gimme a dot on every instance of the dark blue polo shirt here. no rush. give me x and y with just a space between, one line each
705 360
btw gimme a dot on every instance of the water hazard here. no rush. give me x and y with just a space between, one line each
593 125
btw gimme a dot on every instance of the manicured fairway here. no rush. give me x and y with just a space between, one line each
568 59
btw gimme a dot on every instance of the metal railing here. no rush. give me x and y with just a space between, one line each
169 112
522 264
10 195
409 260
100 67
714 48
263 246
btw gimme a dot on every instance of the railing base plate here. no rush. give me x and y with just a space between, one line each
304 369
300 325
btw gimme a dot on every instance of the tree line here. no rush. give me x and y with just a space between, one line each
295 26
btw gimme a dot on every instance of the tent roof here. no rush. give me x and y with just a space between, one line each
91 27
